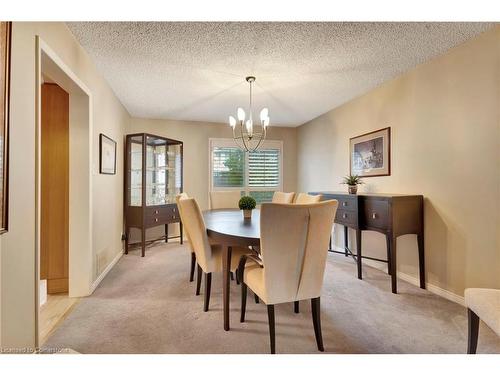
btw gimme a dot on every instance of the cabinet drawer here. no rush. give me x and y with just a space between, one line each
348 203
376 213
347 218
161 214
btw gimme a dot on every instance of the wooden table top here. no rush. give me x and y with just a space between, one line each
230 222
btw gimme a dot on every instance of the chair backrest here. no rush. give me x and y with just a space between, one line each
178 197
224 199
281 197
294 246
304 198
192 220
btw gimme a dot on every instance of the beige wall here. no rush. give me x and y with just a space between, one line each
195 136
444 118
17 255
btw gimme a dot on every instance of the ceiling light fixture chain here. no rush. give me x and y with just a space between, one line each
249 138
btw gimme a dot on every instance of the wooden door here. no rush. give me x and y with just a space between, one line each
54 235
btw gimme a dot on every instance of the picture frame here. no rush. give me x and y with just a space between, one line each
5 49
107 155
370 154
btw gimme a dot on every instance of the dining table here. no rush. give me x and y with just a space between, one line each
228 228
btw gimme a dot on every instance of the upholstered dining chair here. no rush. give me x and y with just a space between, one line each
281 197
482 304
304 198
208 255
224 199
178 197
294 243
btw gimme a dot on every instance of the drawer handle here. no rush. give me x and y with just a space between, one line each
173 216
156 211
156 220
374 215
174 209
344 216
344 204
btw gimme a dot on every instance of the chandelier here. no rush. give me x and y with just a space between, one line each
247 136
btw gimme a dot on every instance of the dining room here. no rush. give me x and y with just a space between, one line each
262 187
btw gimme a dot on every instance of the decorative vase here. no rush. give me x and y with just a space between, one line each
247 214
353 189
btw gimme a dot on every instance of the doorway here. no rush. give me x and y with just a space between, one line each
63 184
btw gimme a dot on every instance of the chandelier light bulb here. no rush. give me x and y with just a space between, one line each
249 126
264 114
241 114
232 121
265 122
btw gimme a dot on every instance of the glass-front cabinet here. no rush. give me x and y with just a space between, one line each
152 180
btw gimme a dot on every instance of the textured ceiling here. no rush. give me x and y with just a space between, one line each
195 71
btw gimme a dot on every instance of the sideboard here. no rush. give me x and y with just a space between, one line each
393 215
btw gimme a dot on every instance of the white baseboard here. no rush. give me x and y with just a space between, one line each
415 281
108 268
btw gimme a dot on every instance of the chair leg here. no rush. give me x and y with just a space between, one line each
272 336
317 323
296 307
473 331
232 275
243 301
198 280
208 284
256 297
193 265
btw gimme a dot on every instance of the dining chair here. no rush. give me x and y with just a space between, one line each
224 199
482 304
281 197
208 255
294 245
178 197
304 198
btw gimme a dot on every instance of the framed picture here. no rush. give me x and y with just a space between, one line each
5 35
107 155
370 154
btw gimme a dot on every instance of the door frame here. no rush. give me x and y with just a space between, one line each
80 183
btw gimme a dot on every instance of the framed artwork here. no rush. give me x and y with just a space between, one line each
5 36
370 154
107 155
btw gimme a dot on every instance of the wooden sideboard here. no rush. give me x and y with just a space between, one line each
391 214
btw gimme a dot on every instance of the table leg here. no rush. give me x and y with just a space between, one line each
388 240
358 253
346 240
393 264
226 265
421 259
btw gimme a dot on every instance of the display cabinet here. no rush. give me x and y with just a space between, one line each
153 177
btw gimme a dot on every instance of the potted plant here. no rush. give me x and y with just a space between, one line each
352 182
247 204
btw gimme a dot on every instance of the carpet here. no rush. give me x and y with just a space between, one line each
147 305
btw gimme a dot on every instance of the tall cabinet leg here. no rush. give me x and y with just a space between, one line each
358 253
393 264
127 230
421 259
143 241
166 232
346 240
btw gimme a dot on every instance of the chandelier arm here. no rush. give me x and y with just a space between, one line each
243 138
262 137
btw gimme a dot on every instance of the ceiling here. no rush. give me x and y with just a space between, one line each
196 70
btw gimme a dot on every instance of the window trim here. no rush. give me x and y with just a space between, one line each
229 142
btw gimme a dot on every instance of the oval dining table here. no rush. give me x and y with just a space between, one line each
228 228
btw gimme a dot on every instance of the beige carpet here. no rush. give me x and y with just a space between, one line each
147 305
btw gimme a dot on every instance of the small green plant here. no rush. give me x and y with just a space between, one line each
247 203
352 180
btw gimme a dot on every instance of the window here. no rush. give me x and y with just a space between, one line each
257 174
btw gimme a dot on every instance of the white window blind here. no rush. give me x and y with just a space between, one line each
257 174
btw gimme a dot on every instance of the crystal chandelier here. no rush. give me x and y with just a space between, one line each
247 136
